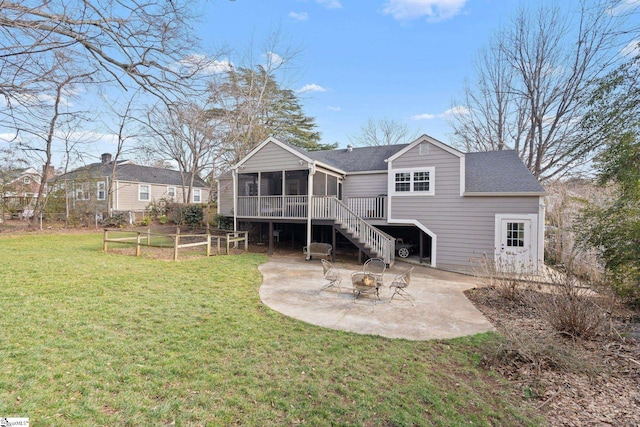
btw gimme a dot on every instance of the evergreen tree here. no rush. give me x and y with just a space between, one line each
614 227
252 106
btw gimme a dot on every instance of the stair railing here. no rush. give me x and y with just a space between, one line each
376 240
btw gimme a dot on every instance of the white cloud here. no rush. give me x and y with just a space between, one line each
205 65
299 16
330 4
631 49
623 7
274 60
312 87
433 10
336 109
458 110
425 116
454 111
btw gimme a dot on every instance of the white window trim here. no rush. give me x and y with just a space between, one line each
82 189
432 175
175 192
193 195
104 190
140 199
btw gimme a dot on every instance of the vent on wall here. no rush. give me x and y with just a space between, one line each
424 148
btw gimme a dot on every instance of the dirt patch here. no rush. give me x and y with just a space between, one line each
573 382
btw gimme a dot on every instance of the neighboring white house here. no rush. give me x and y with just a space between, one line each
452 207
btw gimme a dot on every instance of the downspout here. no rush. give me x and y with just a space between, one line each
235 199
312 171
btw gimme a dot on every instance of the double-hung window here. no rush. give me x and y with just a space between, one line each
171 193
197 195
144 193
101 190
414 181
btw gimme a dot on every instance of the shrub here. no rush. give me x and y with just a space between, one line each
509 279
223 222
156 209
116 220
570 307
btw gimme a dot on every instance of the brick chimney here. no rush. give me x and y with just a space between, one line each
106 158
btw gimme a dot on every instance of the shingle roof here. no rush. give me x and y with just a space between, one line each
359 159
498 172
486 172
132 172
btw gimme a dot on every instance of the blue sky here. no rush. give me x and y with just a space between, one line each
404 60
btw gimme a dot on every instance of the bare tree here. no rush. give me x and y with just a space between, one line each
531 84
185 133
132 43
126 118
383 132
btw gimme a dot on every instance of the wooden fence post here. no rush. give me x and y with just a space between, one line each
138 244
148 236
104 240
175 246
208 244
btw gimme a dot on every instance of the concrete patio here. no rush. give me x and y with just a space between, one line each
292 286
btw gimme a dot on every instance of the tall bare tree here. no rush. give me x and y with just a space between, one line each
185 133
383 132
531 84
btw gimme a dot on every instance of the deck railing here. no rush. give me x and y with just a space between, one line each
296 207
350 216
273 206
368 207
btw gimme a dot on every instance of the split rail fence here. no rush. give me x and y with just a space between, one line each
158 240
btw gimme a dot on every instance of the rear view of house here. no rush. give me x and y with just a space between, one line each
449 207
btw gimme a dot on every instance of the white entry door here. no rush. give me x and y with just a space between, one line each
515 245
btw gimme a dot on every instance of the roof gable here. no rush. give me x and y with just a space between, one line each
426 138
271 140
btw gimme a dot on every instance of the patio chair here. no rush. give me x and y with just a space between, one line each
331 275
400 284
375 267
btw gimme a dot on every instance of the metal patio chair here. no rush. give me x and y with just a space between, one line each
400 284
331 275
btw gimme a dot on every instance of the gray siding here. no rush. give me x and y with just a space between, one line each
271 157
225 197
365 185
464 226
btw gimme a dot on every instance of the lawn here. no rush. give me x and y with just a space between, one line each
88 338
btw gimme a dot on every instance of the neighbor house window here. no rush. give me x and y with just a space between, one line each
82 191
144 193
419 181
171 193
26 180
197 198
101 190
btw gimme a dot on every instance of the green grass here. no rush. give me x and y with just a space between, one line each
88 338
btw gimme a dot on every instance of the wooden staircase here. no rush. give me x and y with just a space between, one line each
371 240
